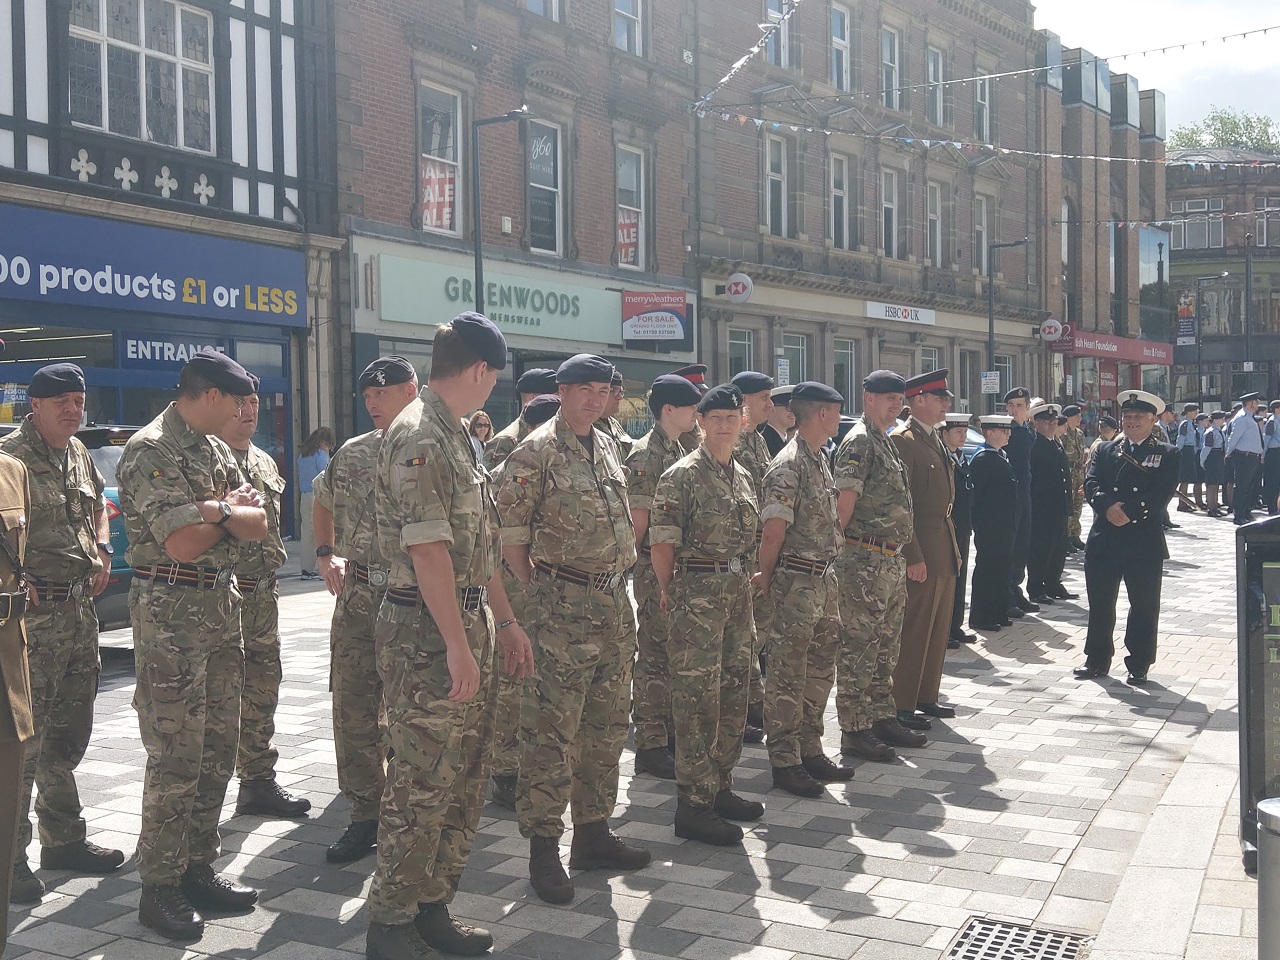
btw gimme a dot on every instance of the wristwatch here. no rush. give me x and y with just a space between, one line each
325 551
107 549
225 508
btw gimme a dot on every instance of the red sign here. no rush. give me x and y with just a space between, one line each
628 237
653 315
439 194
1080 343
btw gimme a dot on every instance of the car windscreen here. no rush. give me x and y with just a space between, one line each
105 459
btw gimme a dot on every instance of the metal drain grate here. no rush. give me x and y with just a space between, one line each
985 939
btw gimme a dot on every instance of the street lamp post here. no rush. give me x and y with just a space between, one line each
991 307
477 234
1247 365
1199 339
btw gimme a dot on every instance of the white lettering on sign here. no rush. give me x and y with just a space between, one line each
901 313
166 351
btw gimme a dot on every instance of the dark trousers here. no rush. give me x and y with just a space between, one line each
1271 480
990 599
962 582
1021 539
11 763
1247 470
1106 564
1048 554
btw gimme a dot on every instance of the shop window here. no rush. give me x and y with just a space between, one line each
628 26
846 373
439 171
795 350
546 200
776 186
632 216
889 68
741 351
841 208
262 358
934 98
841 61
142 70
776 49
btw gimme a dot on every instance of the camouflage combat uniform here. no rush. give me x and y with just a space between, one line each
752 453
1073 443
804 630
710 514
62 634
345 489
612 429
186 641
570 507
650 456
260 622
873 574
430 489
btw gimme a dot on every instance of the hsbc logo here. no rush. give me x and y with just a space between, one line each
737 289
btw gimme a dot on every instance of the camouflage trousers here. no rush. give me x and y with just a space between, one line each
62 653
1077 507
359 720
260 632
506 734
437 778
804 633
762 612
575 710
190 670
873 600
711 642
651 687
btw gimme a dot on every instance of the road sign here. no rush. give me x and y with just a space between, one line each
737 289
784 373
990 381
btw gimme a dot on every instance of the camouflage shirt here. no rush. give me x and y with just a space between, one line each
500 447
1077 453
799 488
868 464
430 489
705 509
649 458
165 468
345 489
753 453
66 494
568 506
262 558
612 429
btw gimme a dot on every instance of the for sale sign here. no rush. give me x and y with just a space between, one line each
654 315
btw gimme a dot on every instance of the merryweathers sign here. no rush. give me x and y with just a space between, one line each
1084 344
654 315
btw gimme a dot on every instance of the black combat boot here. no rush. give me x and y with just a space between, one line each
212 891
706 826
796 780
657 762
438 929
25 887
266 798
595 847
546 873
504 791
396 941
166 910
81 856
358 840
733 807
825 770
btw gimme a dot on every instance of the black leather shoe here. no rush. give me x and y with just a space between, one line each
866 745
504 791
657 762
266 798
990 627
167 911
1089 672
398 941
706 826
961 637
912 721
953 643
1027 606
1169 525
796 780
1043 599
1062 593
939 710
1136 679
1014 613
825 770
358 840
752 734
438 929
25 887
1007 623
733 807
212 891
895 734
82 857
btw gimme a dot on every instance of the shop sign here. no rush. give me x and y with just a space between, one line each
95 263
654 315
439 194
903 314
1081 344
629 237
141 351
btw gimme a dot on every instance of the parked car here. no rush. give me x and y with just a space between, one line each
105 444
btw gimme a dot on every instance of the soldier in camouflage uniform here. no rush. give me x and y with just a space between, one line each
753 454
875 516
608 423
703 527
259 629
566 530
349 560
506 738
1073 442
438 530
797 572
187 509
68 562
673 401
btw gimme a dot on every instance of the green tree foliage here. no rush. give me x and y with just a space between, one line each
1224 127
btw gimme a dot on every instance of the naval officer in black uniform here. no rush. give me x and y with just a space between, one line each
1129 481
1050 509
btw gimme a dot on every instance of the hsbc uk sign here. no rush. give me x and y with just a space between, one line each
901 313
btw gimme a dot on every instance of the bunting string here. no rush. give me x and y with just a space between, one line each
1167 221
774 28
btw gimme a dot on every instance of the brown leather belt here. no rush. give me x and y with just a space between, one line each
57 591
876 545
594 581
703 565
185 575
817 568
255 584
12 605
375 577
469 598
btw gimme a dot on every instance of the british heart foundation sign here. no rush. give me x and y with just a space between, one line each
653 314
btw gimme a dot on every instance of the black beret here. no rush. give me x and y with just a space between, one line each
540 409
55 380
1071 410
1017 393
748 381
387 372
483 337
256 381
724 397
673 389
223 372
537 380
616 381
884 381
585 368
1105 421
816 392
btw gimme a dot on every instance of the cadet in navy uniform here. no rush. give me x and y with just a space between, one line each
954 430
1244 456
1129 482
1018 404
777 429
994 489
1050 509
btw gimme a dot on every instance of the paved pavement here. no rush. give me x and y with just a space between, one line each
1091 808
